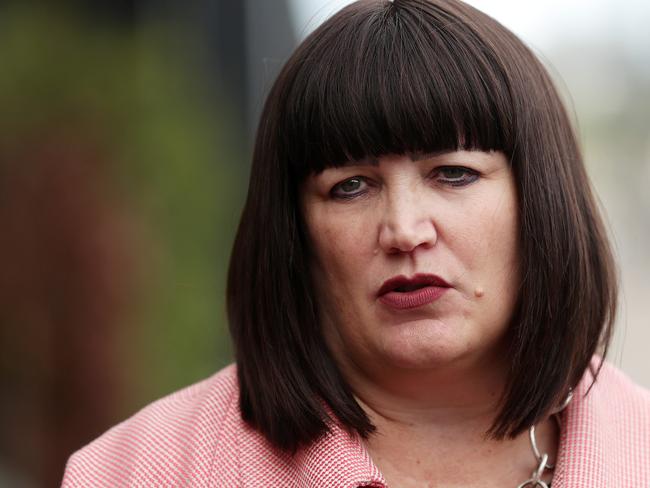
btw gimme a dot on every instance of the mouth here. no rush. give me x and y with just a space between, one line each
401 292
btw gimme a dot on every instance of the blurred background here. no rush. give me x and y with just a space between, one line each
125 139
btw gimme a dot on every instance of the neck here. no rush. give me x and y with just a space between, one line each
450 394
431 426
419 455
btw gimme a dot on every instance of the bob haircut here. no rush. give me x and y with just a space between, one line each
403 77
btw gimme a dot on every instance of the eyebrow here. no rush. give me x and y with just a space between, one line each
428 155
417 156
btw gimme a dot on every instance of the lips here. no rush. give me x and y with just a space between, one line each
401 292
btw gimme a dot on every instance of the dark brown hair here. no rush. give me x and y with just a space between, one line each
405 77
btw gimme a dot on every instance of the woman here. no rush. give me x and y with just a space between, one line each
419 281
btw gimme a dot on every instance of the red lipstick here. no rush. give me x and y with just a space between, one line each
402 293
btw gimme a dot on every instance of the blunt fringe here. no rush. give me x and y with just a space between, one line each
402 77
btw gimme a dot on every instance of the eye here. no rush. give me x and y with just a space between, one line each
455 175
350 188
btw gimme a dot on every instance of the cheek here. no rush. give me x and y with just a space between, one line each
486 242
498 223
506 240
343 243
498 259
341 264
341 254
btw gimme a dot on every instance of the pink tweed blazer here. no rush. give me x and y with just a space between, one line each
196 438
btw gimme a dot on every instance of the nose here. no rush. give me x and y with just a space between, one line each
407 224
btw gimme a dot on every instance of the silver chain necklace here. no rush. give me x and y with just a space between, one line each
535 481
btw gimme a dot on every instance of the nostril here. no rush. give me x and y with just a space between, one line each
404 233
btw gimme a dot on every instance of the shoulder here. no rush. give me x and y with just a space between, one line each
170 442
614 405
614 391
606 432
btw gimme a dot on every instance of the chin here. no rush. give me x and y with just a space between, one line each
424 345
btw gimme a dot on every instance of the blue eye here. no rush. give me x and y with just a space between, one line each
455 175
349 188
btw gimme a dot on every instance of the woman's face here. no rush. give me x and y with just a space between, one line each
415 261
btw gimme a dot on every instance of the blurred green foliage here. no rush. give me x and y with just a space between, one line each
171 158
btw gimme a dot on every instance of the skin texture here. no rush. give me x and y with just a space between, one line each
433 373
